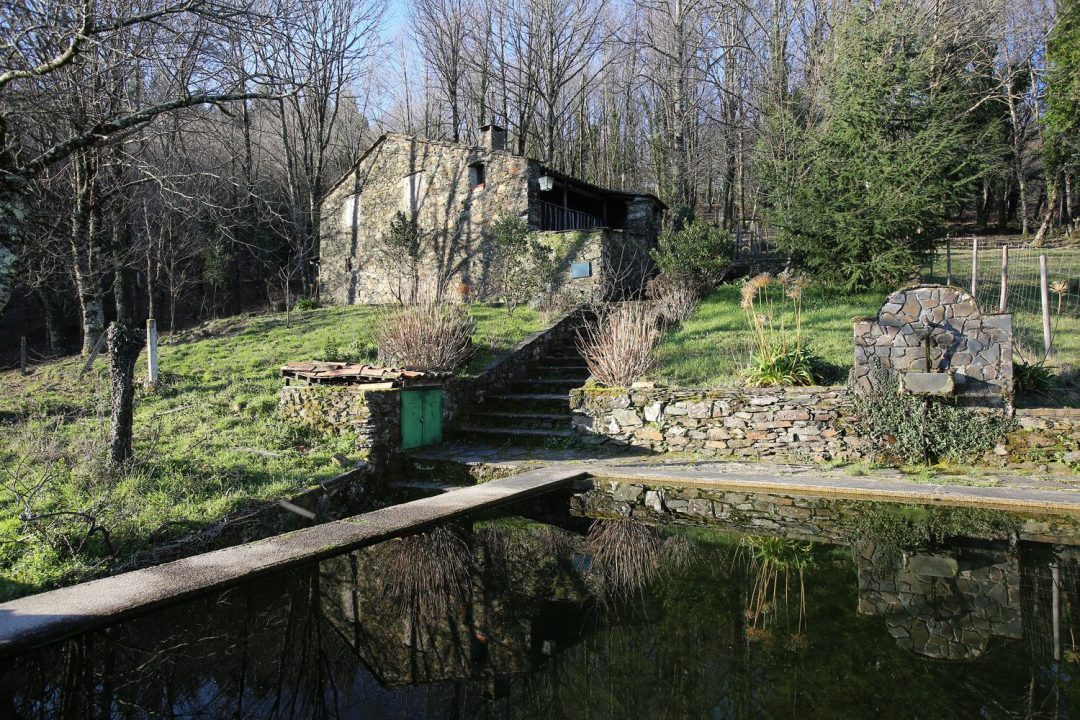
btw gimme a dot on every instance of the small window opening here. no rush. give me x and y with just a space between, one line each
476 175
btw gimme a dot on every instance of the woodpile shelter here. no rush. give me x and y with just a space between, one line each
386 408
454 192
317 372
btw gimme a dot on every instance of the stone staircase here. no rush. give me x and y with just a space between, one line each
535 410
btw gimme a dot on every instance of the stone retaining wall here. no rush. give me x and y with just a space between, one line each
1052 433
799 423
804 423
373 414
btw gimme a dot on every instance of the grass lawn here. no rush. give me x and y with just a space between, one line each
712 348
208 441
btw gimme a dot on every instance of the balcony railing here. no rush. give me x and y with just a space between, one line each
555 217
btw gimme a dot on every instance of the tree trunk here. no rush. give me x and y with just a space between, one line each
54 320
124 344
85 250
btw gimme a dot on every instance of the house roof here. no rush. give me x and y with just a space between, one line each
545 168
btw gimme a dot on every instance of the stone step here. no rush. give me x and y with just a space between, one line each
524 436
512 419
542 402
530 397
551 385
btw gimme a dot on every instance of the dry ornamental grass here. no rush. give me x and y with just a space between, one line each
620 345
428 336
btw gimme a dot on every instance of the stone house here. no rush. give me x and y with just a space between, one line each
454 192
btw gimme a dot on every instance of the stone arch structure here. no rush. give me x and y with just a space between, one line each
938 328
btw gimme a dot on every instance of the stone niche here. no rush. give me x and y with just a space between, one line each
939 329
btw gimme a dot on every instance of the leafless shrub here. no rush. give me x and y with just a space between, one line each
28 476
426 575
675 297
428 336
620 345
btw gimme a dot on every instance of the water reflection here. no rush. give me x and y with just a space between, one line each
513 618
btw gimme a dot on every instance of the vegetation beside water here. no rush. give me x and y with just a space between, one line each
713 347
208 441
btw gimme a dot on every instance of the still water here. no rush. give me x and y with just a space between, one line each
894 612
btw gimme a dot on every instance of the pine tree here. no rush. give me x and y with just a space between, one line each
1062 118
865 179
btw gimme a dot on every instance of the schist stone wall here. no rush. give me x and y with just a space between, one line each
935 328
373 414
406 174
805 423
437 184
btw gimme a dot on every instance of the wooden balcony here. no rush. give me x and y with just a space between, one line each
555 217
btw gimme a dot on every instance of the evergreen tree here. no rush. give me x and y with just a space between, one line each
863 181
1062 117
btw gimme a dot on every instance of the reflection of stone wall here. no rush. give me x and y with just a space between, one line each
943 604
942 324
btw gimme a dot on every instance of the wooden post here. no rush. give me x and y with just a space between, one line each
22 355
948 259
93 355
151 352
1003 304
974 265
1044 291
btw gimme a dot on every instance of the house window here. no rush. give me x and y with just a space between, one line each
476 175
413 192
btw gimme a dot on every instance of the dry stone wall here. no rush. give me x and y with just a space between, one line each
373 414
936 328
806 423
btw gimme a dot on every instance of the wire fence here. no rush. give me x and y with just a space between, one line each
989 263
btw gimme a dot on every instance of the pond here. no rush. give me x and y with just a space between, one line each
542 612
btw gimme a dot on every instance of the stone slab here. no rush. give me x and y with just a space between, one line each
53 615
813 480
927 383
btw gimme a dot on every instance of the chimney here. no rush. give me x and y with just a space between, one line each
493 137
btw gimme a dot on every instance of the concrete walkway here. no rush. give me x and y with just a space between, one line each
1004 492
49 616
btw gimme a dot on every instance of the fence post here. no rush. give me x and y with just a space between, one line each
151 352
948 259
22 355
1003 304
1044 291
974 265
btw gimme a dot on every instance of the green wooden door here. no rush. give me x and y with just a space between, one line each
421 417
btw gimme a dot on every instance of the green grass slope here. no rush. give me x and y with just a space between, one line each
208 440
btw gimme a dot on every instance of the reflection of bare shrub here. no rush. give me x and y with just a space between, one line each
629 554
620 345
675 297
429 336
426 574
